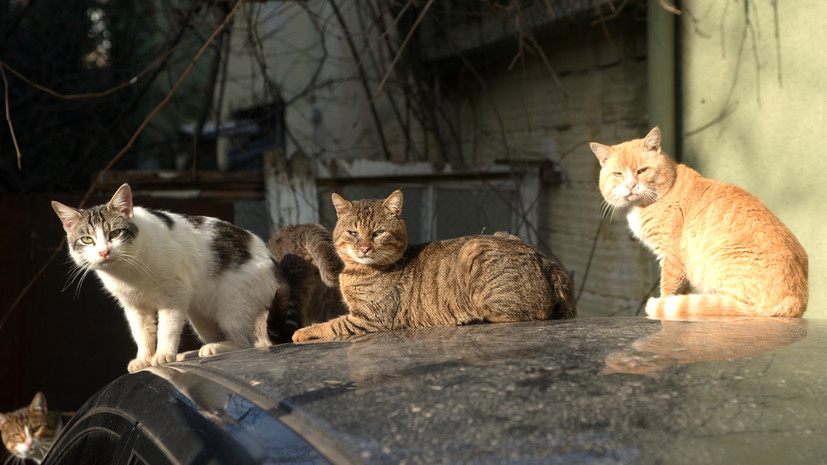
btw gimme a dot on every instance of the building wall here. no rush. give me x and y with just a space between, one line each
303 49
596 90
755 106
601 96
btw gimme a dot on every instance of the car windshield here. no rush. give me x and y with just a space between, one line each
586 390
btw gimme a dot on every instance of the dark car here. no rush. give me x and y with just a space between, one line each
588 390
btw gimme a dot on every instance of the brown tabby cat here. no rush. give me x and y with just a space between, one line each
311 266
30 431
388 285
707 234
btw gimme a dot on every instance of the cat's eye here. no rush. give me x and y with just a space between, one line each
642 170
617 174
378 232
353 233
87 240
17 437
115 234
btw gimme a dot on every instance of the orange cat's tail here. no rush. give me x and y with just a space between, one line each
676 306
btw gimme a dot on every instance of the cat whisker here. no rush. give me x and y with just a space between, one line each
41 451
77 274
136 262
80 281
649 196
607 211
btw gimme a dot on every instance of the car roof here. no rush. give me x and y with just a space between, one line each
587 390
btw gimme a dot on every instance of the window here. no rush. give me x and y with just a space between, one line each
439 202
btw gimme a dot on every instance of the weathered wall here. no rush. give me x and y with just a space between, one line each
303 49
602 96
492 107
755 106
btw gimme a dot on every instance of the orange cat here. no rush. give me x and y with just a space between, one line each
713 236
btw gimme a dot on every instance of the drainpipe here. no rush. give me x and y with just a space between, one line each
660 29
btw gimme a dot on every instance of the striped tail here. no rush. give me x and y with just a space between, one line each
688 305
278 324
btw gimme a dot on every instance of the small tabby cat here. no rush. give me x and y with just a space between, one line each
30 431
311 266
388 285
166 269
707 234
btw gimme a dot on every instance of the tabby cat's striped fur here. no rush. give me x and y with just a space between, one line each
388 285
29 432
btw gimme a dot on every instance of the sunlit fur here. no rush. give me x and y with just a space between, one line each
29 432
712 236
389 285
166 269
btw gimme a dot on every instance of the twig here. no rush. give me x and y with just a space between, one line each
364 77
395 59
92 146
589 262
31 283
8 117
160 105
669 7
112 90
121 153
646 297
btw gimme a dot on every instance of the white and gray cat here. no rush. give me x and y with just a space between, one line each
166 269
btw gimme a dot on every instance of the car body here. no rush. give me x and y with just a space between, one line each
586 390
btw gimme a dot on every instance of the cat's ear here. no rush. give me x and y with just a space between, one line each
341 205
38 403
4 420
68 215
652 140
394 203
122 201
603 152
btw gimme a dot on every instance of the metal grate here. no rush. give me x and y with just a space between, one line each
435 211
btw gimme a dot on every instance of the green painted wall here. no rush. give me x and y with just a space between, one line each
754 110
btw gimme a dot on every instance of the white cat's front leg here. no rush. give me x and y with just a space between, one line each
143 327
170 324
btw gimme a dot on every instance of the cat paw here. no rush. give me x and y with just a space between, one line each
188 355
306 334
137 364
162 358
215 348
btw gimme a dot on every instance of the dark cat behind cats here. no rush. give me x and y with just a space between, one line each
311 267
30 431
388 285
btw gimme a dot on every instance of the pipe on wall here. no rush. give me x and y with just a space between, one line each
661 75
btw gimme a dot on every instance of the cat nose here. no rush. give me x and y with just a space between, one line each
364 249
104 253
631 183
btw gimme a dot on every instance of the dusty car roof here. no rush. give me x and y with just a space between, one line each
588 390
